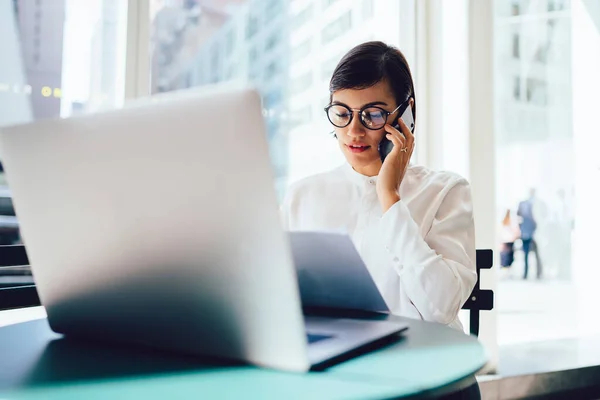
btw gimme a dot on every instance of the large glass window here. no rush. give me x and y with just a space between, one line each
287 49
58 58
536 166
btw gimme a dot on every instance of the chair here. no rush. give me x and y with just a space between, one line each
16 288
480 300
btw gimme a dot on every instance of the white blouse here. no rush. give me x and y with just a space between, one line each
421 252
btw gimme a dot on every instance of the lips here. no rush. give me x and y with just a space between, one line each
357 148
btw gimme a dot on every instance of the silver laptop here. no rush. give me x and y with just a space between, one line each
158 224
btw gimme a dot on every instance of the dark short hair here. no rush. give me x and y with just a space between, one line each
369 63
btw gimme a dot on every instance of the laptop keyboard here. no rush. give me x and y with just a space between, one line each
314 338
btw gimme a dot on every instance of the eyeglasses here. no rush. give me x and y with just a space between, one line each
372 117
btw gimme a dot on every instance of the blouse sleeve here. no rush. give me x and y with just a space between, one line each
438 271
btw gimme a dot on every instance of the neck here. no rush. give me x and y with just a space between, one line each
371 169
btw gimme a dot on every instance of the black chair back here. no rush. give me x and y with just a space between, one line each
16 293
480 300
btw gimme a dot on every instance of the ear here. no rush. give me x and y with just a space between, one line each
411 102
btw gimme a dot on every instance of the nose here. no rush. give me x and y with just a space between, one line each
356 129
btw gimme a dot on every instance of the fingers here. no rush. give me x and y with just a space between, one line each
397 144
410 138
394 131
396 137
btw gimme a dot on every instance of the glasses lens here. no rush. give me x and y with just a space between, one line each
339 115
373 118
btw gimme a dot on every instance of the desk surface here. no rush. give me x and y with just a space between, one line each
36 363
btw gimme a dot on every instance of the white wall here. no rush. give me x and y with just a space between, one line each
481 153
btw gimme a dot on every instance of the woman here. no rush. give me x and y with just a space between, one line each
509 233
413 227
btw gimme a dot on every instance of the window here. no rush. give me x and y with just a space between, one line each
254 74
337 28
253 56
328 66
252 27
541 54
271 71
272 41
232 72
537 91
214 57
535 127
301 51
517 88
302 17
327 3
229 42
279 49
301 83
192 43
274 8
556 5
77 69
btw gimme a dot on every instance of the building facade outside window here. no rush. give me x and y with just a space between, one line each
289 46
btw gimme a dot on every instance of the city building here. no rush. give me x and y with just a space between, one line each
179 30
287 49
238 41
41 27
322 31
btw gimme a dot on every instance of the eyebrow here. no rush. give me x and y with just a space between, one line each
373 103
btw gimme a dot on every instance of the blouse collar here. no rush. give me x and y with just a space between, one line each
358 178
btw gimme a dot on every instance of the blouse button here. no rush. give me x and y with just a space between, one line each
396 259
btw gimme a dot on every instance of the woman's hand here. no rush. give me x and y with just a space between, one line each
395 164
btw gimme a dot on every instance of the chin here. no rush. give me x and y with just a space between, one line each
361 160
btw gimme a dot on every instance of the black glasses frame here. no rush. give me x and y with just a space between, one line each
360 111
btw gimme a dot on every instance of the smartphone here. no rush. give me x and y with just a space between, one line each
385 147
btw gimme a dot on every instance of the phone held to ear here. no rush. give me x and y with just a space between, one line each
385 147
